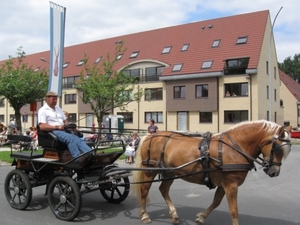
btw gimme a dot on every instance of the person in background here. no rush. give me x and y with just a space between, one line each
152 127
132 147
52 118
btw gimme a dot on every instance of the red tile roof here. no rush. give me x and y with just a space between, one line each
151 43
291 84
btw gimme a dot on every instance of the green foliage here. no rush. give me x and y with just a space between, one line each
104 88
291 67
20 84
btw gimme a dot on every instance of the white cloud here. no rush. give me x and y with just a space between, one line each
26 23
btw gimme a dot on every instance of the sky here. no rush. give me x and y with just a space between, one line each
27 23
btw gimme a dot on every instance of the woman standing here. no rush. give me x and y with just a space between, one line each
152 128
132 147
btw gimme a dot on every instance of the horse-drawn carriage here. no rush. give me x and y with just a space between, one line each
221 160
65 180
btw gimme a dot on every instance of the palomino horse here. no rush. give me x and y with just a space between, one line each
222 160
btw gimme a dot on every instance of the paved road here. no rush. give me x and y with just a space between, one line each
262 200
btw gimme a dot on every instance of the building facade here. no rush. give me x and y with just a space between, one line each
201 76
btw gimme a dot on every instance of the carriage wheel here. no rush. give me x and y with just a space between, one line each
64 198
115 191
18 190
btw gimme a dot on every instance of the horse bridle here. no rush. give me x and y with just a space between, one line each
276 148
266 164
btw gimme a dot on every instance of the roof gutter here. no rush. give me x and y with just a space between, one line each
192 76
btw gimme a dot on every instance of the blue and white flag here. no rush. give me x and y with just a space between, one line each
57 36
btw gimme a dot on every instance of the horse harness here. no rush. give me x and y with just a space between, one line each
205 158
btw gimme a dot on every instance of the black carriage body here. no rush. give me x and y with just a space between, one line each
54 167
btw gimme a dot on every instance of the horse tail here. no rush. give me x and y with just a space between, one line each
138 174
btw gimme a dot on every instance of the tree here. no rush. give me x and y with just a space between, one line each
291 67
104 88
20 84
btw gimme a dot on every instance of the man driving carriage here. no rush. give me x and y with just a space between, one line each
52 118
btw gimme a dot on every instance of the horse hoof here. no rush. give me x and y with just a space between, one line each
175 220
198 221
146 220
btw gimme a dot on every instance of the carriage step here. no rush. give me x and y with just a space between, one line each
88 180
117 172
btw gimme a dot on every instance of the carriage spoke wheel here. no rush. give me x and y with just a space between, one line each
115 191
64 198
18 190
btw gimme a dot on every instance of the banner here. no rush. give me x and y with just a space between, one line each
57 36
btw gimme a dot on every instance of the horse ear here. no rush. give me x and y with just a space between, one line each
281 131
288 128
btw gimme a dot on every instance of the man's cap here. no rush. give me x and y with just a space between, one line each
51 94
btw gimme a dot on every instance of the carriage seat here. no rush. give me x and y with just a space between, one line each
47 139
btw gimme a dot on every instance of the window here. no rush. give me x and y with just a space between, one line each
205 117
206 65
69 82
275 97
185 47
134 73
126 95
157 116
72 118
236 66
128 116
281 103
2 102
98 60
119 56
236 89
153 73
37 69
235 116
201 91
66 64
268 117
134 54
267 67
267 92
153 94
216 43
275 73
166 50
179 92
242 40
2 118
80 63
70 99
177 67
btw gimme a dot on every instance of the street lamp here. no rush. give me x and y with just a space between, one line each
270 67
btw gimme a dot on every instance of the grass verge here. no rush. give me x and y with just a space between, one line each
5 155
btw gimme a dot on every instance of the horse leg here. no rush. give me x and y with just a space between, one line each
219 194
144 188
164 189
231 195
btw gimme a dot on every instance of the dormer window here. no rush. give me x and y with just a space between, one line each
185 47
216 43
80 63
66 64
177 67
207 64
119 56
134 54
166 50
242 40
98 60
